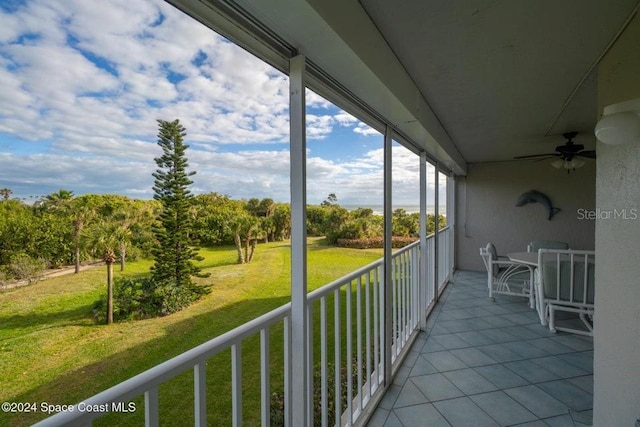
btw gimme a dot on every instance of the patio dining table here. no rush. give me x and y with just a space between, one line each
529 258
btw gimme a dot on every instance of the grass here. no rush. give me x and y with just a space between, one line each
51 350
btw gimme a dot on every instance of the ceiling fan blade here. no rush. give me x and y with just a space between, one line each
591 154
542 159
537 155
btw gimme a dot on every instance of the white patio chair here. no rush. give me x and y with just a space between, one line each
534 245
506 277
566 283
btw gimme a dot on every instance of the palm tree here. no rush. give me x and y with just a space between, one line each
78 209
55 201
282 221
5 193
101 238
246 231
82 214
123 234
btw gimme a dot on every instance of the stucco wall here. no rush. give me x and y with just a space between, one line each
617 327
486 208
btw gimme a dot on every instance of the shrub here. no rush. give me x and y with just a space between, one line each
375 242
169 298
24 267
277 398
4 278
142 298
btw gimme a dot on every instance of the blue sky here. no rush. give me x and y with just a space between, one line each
84 82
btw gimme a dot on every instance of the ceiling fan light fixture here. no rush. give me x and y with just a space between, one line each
578 163
557 163
569 165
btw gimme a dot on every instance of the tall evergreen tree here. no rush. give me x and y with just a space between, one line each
174 256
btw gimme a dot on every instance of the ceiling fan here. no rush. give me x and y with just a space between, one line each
567 156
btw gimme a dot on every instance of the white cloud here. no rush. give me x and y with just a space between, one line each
84 82
345 119
80 174
146 51
318 127
135 61
364 129
244 174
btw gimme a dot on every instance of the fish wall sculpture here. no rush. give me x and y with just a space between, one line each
533 196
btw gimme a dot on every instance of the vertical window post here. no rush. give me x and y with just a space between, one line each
299 363
436 223
423 280
451 220
388 226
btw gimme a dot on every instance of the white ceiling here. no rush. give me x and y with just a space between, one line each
465 80
505 78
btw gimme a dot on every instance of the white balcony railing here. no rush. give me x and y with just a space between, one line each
348 314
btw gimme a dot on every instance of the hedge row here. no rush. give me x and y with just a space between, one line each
376 242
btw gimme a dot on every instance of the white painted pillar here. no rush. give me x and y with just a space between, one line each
422 292
299 362
436 255
388 226
451 220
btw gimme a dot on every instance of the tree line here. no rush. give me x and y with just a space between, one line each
340 225
63 229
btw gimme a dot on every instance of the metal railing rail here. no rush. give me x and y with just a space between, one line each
148 381
355 345
363 294
368 281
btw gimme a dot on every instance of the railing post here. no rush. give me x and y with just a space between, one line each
416 285
310 364
287 372
451 221
422 274
200 393
265 383
299 369
236 384
324 366
387 280
337 350
151 417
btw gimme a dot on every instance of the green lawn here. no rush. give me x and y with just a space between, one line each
51 350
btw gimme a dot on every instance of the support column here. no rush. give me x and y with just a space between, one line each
451 220
388 227
422 288
299 363
436 255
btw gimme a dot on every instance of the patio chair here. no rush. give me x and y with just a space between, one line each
504 276
534 245
566 283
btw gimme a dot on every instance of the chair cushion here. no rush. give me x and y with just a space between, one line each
492 250
550 279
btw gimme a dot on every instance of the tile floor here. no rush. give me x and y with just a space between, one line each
484 363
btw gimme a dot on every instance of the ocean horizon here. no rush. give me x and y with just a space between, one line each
379 209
